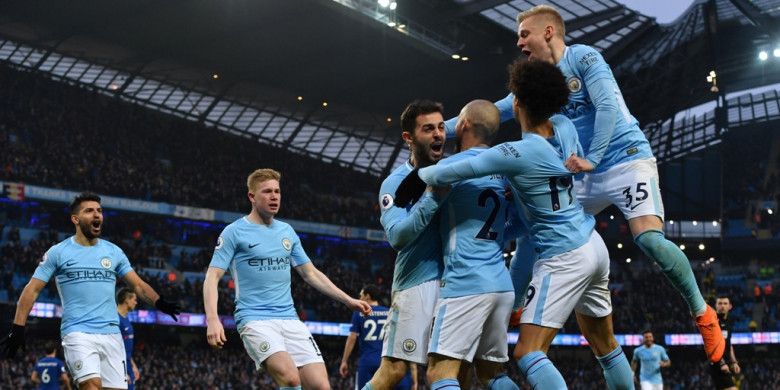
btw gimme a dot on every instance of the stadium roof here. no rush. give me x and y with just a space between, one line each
365 62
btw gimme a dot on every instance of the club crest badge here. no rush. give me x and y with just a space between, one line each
286 243
105 262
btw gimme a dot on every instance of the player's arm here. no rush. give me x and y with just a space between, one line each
65 379
136 371
504 159
504 110
27 299
735 368
215 332
34 377
402 227
634 362
348 347
147 293
313 277
600 84
665 361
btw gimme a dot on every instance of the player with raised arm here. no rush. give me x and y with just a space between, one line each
572 272
618 159
652 358
723 372
49 371
85 268
368 332
260 251
413 232
126 300
476 293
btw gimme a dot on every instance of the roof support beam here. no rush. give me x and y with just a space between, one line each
594 18
633 36
608 30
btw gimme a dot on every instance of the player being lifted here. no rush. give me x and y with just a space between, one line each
476 291
418 264
259 251
620 165
85 268
572 272
49 371
368 332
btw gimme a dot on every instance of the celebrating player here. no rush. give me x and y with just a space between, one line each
368 332
85 268
259 252
476 291
413 232
653 358
622 169
49 371
126 301
572 272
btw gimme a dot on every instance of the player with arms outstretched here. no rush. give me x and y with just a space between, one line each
50 371
86 268
260 251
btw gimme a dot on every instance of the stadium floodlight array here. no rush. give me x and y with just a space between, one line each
152 317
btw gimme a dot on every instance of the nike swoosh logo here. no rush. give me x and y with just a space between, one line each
253 245
70 263
636 205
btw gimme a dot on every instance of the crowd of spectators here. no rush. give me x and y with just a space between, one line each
192 365
62 136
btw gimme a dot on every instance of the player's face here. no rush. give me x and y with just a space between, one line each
267 197
89 219
427 140
723 305
648 339
131 301
533 36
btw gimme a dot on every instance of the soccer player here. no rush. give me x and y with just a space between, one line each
476 293
85 268
49 371
723 373
368 332
414 233
653 358
622 169
126 300
572 272
260 251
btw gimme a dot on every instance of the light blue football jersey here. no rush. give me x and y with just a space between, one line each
260 258
472 232
609 134
650 363
412 231
86 280
540 182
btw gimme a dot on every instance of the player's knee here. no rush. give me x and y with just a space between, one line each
288 378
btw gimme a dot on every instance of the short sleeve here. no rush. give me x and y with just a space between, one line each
48 265
356 323
299 256
664 355
123 266
224 250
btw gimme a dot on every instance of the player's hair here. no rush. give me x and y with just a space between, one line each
261 175
75 205
550 13
724 296
415 109
373 291
484 119
647 331
539 87
122 294
52 347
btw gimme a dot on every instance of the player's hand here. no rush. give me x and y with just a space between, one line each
136 375
578 165
724 368
440 192
215 333
168 307
735 369
410 189
344 369
11 343
357 305
514 320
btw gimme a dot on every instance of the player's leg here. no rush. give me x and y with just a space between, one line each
634 186
314 376
113 361
407 334
594 316
306 355
492 350
443 372
82 355
265 344
531 355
